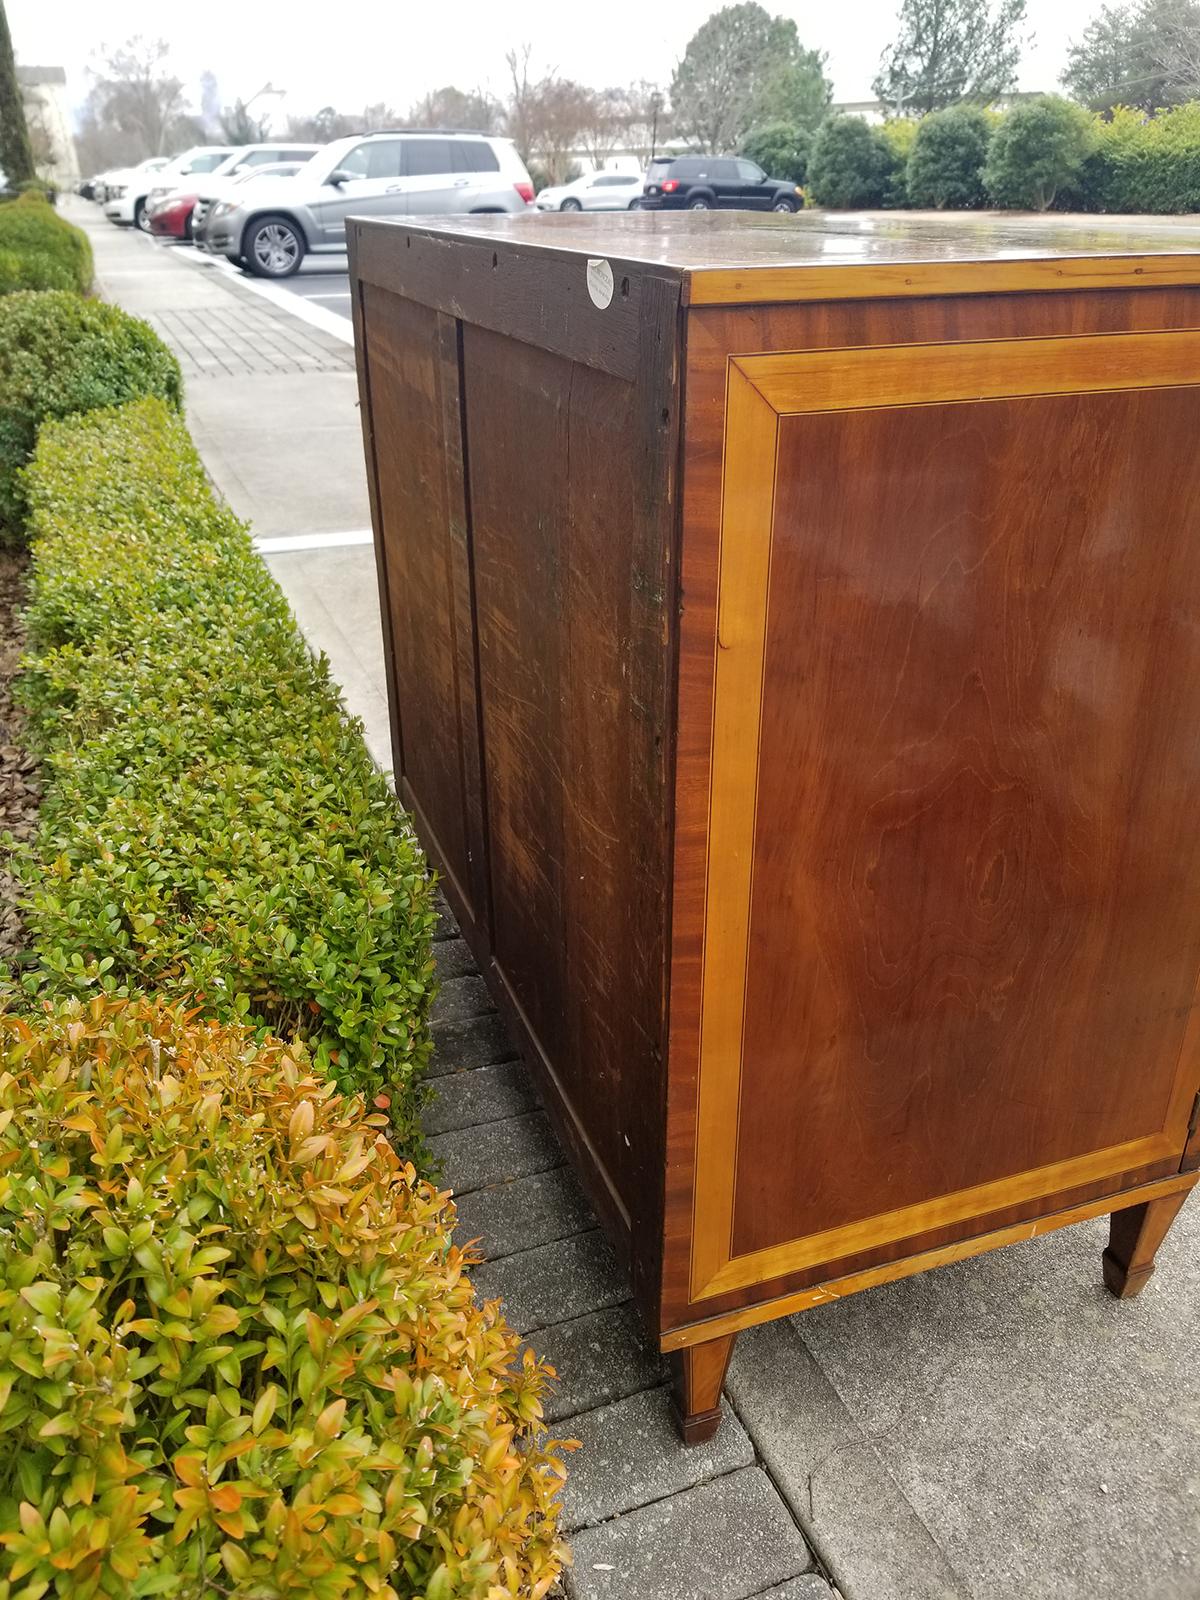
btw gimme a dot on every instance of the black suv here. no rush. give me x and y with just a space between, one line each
709 183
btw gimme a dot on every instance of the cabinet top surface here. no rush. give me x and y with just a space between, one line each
730 257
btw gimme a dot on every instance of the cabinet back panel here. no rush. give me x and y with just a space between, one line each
571 501
412 386
975 860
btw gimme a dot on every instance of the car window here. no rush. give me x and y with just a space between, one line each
385 158
657 171
618 182
207 161
260 158
294 155
474 155
691 167
427 157
277 169
356 161
749 172
724 171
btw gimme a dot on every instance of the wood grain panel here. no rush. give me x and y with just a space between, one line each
412 379
1150 1151
572 492
957 952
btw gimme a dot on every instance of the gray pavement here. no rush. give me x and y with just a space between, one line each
996 1429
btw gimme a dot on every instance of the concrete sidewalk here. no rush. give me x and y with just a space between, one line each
993 1430
272 403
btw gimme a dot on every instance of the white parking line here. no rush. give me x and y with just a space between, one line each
280 543
345 295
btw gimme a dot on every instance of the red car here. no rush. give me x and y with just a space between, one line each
171 217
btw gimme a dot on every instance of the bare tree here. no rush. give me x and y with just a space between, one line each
239 127
546 116
135 94
448 107
322 126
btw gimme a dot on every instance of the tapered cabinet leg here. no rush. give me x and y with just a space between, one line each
1133 1240
699 1372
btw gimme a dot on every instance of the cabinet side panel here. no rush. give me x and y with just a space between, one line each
721 348
412 377
573 516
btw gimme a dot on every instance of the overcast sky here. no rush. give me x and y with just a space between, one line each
377 50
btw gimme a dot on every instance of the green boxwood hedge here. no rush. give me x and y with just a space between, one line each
212 826
30 226
27 269
59 355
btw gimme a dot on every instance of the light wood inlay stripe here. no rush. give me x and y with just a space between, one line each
746 519
727 286
923 374
909 1266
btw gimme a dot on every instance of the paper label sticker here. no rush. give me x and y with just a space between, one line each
600 283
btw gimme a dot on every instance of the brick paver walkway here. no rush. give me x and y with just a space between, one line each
649 1518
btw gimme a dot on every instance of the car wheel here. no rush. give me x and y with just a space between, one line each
700 203
273 247
570 205
635 205
189 232
784 203
140 219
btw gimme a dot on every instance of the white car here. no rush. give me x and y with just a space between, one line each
105 184
127 192
595 191
214 184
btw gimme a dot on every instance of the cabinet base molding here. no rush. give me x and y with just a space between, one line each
1128 1261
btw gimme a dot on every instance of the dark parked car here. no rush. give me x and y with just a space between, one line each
711 183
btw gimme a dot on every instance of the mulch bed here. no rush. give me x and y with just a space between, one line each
20 791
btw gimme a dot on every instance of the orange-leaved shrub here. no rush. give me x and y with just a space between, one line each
238 1351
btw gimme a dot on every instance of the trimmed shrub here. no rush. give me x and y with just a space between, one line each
1142 163
60 354
899 134
240 1354
781 150
31 226
1039 148
851 166
945 168
212 825
31 270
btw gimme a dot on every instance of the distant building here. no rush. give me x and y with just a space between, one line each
44 91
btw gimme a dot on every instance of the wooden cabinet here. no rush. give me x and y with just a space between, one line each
794 639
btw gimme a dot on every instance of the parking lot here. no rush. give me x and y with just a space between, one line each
323 281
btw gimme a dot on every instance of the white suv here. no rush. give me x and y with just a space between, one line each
273 225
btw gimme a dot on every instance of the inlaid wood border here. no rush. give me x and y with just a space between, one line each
760 390
874 280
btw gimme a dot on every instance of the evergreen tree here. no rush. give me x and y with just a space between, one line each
16 153
743 68
951 50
